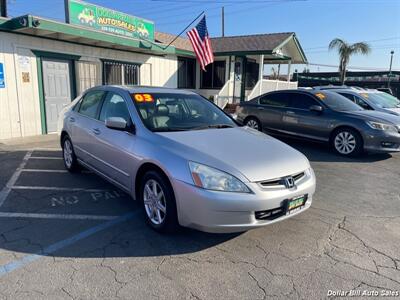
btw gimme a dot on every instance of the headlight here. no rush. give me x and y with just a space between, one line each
212 179
381 126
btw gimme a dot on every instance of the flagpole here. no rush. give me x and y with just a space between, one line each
184 30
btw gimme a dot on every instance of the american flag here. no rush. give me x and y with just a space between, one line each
201 43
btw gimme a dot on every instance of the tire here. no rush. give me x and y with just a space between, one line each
158 202
347 142
254 123
69 157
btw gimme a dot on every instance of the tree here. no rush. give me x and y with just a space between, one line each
346 50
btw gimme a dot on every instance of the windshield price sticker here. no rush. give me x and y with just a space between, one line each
320 96
143 98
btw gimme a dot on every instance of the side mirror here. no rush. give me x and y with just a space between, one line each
116 123
316 108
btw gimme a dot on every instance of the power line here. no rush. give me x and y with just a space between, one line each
232 12
349 67
378 40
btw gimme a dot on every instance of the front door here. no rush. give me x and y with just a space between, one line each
300 120
57 90
237 81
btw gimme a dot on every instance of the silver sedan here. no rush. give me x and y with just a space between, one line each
184 159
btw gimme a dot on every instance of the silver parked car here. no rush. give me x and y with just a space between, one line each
372 100
184 159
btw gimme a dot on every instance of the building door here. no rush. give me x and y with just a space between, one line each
238 80
57 90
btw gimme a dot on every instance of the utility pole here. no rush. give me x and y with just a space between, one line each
223 21
3 8
66 9
390 68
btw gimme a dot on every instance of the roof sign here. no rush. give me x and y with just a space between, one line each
108 20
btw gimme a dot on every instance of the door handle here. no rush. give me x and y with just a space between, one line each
290 112
260 108
71 119
96 131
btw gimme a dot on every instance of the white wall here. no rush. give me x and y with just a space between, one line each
19 101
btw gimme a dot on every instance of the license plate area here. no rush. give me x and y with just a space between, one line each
296 203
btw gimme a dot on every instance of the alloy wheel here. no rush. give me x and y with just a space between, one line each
345 142
154 202
252 124
68 158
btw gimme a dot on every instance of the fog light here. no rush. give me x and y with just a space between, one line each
388 144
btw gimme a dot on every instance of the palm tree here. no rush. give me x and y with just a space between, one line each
346 50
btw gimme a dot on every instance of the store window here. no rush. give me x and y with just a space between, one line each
186 73
120 73
214 77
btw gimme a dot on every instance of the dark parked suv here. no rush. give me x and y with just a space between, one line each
324 116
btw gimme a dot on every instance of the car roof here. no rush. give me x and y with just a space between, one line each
302 90
132 89
357 91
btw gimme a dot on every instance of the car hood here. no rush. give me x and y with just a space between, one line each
377 116
253 154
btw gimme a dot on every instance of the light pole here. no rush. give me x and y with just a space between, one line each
390 67
3 8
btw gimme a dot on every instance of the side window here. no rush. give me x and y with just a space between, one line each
349 96
275 99
115 106
90 104
77 105
301 101
362 103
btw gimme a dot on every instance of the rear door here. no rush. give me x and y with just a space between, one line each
270 110
85 124
300 120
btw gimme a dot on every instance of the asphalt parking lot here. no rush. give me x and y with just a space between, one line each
75 236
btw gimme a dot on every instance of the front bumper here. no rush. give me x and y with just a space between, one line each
382 141
224 212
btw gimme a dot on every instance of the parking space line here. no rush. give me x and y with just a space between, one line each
9 185
44 171
55 216
47 149
20 263
53 171
46 157
60 189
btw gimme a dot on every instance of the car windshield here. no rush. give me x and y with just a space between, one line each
339 103
383 100
178 112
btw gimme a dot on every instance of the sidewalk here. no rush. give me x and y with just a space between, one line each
50 141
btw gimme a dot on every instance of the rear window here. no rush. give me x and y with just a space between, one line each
275 99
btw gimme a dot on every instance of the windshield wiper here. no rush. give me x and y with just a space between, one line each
218 126
168 129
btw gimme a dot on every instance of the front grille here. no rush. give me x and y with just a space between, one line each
280 182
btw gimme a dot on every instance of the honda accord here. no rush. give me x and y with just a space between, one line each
184 159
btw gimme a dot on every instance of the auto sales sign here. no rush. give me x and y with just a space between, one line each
108 20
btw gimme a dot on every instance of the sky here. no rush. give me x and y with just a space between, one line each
315 22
